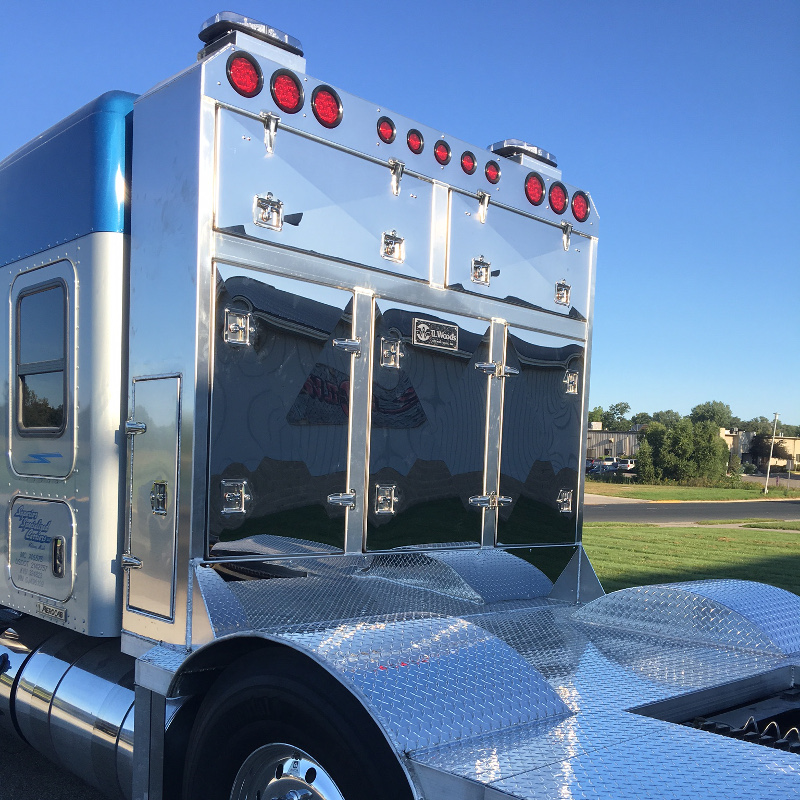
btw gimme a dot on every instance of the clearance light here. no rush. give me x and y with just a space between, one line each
492 171
580 206
534 188
287 91
558 197
386 130
441 152
327 106
415 141
468 162
244 74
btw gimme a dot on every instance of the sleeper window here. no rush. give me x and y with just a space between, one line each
41 359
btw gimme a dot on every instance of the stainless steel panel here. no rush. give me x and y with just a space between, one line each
527 258
38 529
542 450
334 203
279 415
427 428
155 453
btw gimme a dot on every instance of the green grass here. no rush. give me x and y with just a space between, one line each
685 493
639 554
733 521
783 526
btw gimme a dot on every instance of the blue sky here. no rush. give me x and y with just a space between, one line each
681 118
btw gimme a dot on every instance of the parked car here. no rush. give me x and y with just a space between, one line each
626 464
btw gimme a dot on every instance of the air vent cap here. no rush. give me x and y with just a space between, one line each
226 21
514 148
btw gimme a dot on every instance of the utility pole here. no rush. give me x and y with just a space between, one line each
771 445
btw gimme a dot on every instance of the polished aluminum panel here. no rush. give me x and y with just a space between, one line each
427 427
334 203
280 412
91 464
542 449
42 547
154 496
526 258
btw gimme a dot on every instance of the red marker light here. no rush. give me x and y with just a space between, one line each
441 152
386 130
287 92
558 197
534 188
415 141
245 74
468 162
580 206
492 172
327 106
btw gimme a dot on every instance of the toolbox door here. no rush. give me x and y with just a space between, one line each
427 441
541 449
150 559
280 411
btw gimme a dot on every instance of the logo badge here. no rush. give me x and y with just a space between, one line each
54 612
435 334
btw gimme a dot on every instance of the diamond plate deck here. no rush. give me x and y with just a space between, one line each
477 676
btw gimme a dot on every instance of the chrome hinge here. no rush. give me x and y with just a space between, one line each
134 428
492 500
270 129
158 498
562 293
268 212
566 232
346 499
391 353
483 205
571 382
352 346
235 497
130 562
238 327
564 501
385 498
495 370
396 168
393 247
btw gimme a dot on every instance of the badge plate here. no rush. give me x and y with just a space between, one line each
435 334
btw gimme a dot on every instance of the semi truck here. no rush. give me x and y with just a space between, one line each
294 412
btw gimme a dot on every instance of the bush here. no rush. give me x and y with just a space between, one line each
749 469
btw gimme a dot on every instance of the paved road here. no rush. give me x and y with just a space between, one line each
691 512
26 775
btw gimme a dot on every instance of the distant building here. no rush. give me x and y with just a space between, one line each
617 444
739 444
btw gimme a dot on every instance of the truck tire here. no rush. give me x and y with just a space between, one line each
275 722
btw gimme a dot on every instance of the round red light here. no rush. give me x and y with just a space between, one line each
558 198
327 106
386 130
468 162
415 141
244 74
580 206
441 151
534 188
287 91
492 171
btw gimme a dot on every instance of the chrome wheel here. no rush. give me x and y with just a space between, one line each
283 772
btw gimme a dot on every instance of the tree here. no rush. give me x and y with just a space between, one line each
711 453
713 411
734 465
614 419
642 418
678 463
758 425
668 418
596 414
760 444
644 463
